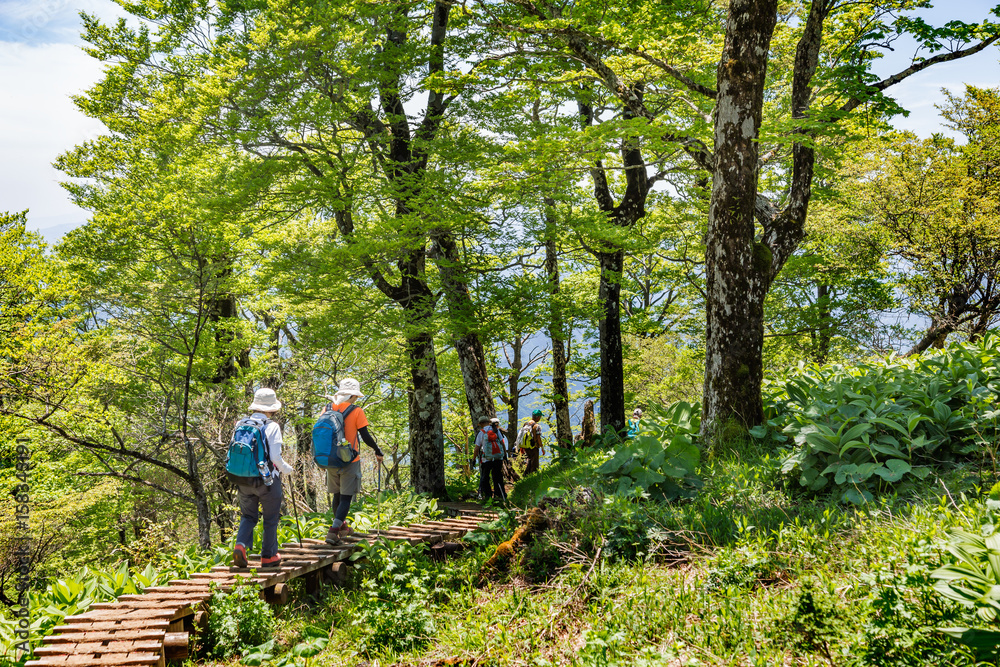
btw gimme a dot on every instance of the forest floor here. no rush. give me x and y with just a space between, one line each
746 572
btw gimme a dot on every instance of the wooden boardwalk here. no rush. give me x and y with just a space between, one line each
154 627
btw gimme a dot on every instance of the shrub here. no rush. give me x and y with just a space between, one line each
398 597
660 462
903 629
742 567
869 427
237 620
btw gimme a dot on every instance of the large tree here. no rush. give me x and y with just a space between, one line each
933 202
346 107
817 72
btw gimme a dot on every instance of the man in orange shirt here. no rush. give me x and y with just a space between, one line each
345 483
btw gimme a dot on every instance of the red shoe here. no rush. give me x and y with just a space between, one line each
271 562
240 556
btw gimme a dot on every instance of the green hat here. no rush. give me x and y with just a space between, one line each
536 413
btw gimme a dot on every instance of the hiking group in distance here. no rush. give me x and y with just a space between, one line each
255 465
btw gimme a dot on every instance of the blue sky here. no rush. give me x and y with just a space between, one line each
41 65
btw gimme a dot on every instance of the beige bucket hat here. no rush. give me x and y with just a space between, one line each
265 400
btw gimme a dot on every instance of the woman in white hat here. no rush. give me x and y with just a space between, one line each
257 493
345 483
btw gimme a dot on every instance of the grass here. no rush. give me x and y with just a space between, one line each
746 573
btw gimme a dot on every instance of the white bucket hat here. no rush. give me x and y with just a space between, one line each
348 387
265 400
637 412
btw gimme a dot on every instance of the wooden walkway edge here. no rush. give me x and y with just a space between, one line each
151 628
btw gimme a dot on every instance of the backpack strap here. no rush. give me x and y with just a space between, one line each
263 436
349 410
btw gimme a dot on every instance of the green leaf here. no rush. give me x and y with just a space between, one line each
893 470
856 432
853 444
914 420
984 642
857 496
843 471
821 443
896 426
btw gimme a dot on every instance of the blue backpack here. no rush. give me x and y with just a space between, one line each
330 446
248 457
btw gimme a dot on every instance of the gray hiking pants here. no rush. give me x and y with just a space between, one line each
269 500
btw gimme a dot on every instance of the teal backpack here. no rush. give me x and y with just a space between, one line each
248 457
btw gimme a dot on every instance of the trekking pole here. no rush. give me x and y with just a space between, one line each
378 497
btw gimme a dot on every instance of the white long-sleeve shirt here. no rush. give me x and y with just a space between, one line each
272 433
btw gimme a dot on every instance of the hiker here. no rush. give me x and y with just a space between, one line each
495 423
633 424
490 451
254 492
345 483
530 441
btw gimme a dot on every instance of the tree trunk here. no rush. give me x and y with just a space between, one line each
737 268
513 386
629 210
426 429
560 386
588 426
471 357
610 330
201 505
933 337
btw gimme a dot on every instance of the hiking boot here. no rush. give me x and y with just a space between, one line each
332 536
345 530
270 562
240 556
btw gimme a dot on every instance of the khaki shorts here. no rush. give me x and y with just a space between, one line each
345 481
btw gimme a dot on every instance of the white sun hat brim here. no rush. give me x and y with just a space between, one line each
265 400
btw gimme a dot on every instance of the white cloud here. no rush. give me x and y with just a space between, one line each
49 21
38 121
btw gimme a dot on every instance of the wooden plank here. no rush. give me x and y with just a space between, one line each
137 658
172 594
428 536
131 630
181 613
180 590
57 649
118 614
457 523
103 635
112 625
46 661
130 647
405 538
